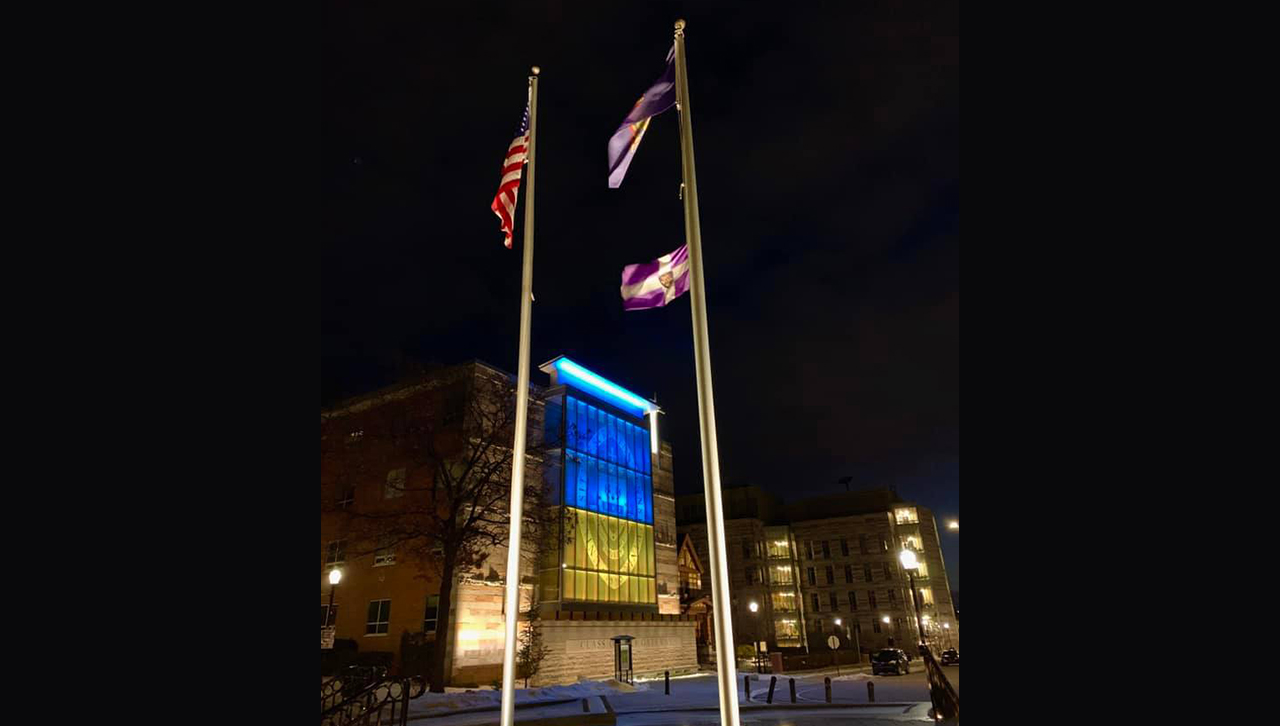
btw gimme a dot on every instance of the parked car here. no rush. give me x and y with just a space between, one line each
951 656
890 660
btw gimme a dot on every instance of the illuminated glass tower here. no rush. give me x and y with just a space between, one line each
602 555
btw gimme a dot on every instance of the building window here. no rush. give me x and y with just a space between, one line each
875 625
826 550
848 574
809 549
893 599
784 602
779 548
884 544
831 575
817 625
853 600
813 578
906 515
862 544
834 601
328 618
346 497
384 555
336 554
379 617
432 614
816 606
922 570
926 596
781 575
866 571
787 632
395 484
749 570
871 598
888 573
355 437
746 549
912 542
844 547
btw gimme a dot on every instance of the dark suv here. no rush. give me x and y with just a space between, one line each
890 660
951 656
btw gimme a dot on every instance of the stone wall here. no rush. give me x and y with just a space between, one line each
584 649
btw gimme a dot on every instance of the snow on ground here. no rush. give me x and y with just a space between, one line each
454 699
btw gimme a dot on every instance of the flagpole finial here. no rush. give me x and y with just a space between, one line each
536 70
680 24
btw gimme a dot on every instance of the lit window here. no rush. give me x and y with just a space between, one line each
336 553
786 632
922 570
433 612
395 484
784 602
781 575
384 556
379 617
906 515
355 436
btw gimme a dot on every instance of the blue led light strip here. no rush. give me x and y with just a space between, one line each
602 388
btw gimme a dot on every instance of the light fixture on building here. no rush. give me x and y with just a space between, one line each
885 619
335 576
753 606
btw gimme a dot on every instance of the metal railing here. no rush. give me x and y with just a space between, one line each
946 702
385 700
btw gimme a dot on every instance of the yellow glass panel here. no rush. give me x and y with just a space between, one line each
568 585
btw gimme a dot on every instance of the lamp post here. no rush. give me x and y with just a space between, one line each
335 576
838 623
908 559
753 606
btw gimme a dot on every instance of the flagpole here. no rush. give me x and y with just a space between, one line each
512 608
725 665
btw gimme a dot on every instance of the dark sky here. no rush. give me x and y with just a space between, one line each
828 158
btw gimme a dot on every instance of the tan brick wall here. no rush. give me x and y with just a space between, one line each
584 649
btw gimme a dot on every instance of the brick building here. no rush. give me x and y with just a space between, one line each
812 562
606 568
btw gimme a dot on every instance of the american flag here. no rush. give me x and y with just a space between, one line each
504 203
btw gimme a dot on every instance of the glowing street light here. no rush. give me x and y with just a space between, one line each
335 576
754 606
909 563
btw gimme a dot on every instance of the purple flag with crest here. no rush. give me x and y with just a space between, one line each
660 97
654 284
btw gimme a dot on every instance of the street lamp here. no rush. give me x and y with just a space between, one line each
953 525
753 606
908 559
335 576
839 622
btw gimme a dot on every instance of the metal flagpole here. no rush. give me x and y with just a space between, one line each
725 666
522 420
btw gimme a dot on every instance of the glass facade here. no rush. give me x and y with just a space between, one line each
607 463
608 552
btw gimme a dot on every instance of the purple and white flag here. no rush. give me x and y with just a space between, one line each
654 284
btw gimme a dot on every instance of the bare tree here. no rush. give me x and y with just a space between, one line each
452 435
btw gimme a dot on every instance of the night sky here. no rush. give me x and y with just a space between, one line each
827 142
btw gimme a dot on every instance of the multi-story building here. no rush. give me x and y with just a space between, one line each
604 582
811 563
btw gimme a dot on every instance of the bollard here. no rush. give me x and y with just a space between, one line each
828 682
746 686
666 675
793 689
773 681
871 692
